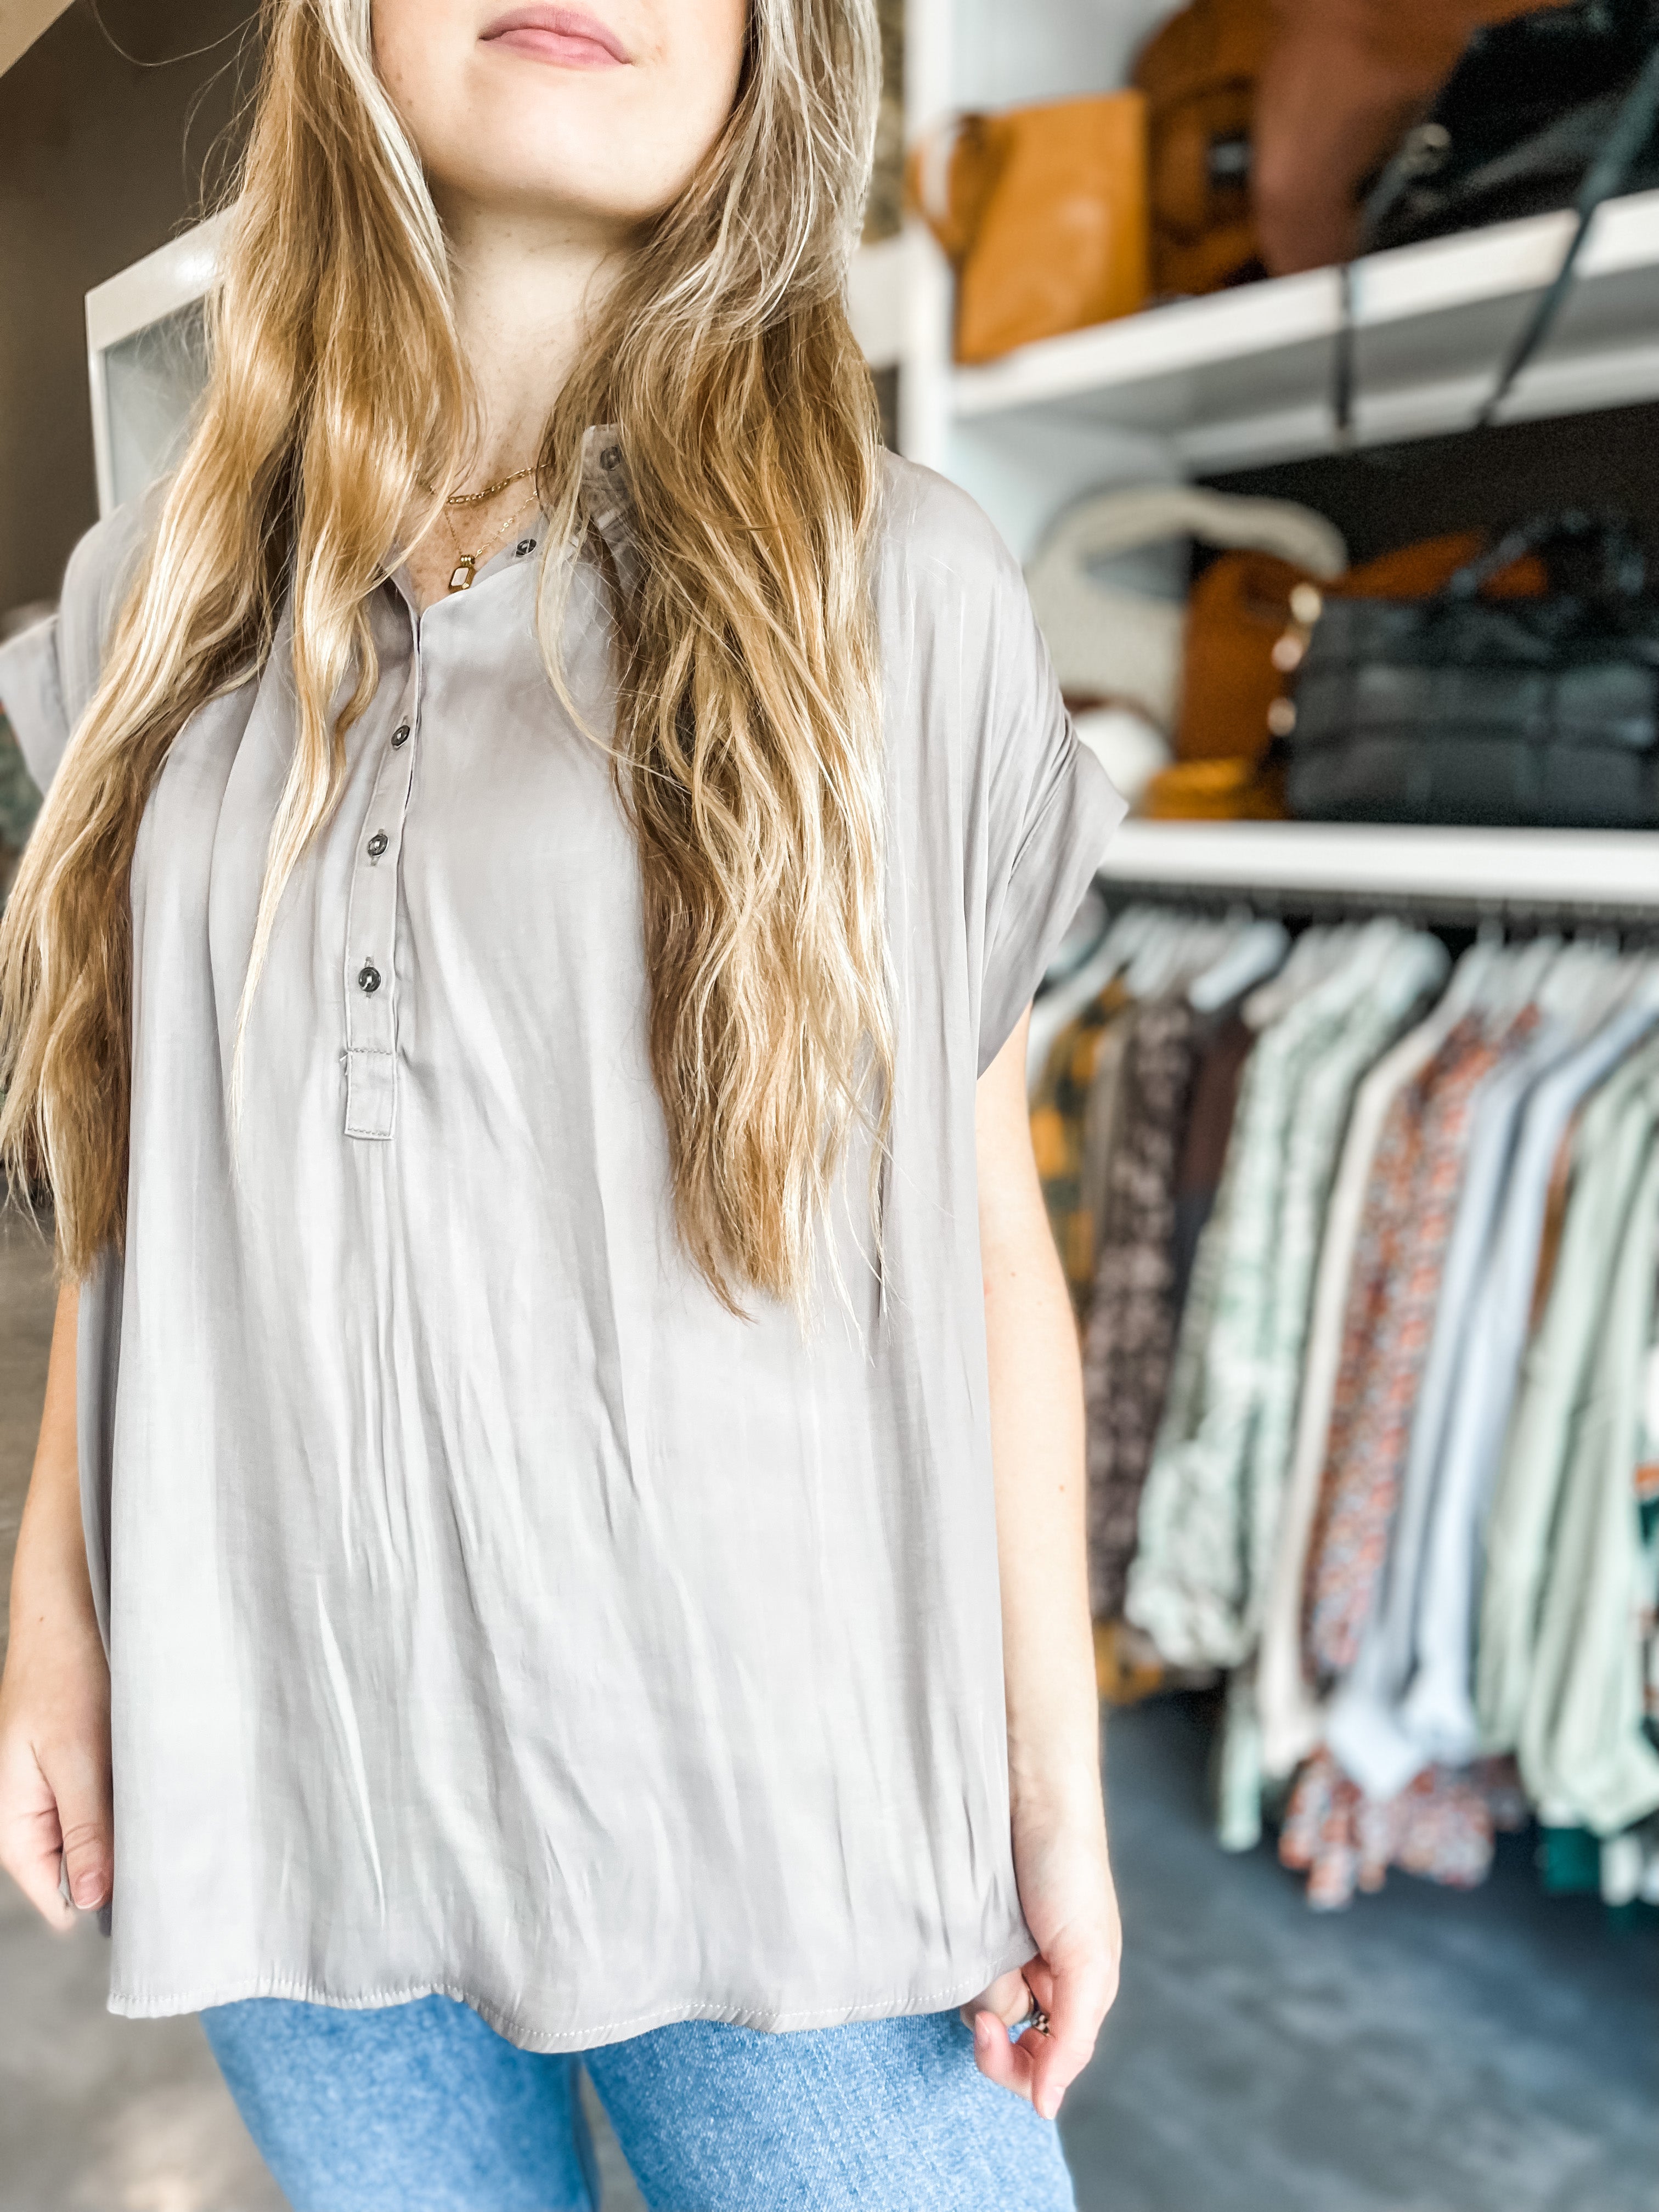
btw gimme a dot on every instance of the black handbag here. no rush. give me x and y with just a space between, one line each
1557 109
1536 712
1517 126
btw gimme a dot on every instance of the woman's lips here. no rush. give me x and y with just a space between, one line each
559 35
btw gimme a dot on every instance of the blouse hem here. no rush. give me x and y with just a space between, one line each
527 2037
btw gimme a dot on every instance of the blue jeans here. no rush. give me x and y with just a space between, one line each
422 2108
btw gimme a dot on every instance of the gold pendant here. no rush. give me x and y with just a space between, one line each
461 575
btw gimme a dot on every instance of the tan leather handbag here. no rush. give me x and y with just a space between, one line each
1042 212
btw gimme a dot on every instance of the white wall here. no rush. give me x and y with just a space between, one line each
1011 51
100 161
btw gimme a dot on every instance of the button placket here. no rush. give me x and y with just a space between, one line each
371 935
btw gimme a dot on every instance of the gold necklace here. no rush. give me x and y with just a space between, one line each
467 564
477 498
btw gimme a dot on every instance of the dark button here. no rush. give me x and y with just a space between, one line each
525 545
377 844
610 457
400 735
368 978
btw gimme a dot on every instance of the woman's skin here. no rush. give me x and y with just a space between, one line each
543 154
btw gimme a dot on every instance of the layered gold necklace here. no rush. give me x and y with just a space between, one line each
467 563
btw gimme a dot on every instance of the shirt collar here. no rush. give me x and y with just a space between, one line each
608 500
607 504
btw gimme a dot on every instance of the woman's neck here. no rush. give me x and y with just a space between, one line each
525 287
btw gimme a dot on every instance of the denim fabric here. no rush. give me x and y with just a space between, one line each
422 2108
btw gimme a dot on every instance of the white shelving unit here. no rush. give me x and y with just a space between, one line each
1185 389
1246 377
1618 870
1240 377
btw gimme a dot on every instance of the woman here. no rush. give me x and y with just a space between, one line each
518 992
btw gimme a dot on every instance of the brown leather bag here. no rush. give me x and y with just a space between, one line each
1042 212
1344 81
1236 612
1199 73
1265 117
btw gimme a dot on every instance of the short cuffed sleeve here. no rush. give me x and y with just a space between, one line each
31 698
1049 807
1049 829
1015 813
50 671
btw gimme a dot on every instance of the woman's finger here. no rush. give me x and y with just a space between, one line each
30 1837
74 1799
1009 1997
1077 1997
80 1782
998 2058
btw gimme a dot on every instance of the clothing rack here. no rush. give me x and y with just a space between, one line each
1447 912
1300 1243
1474 871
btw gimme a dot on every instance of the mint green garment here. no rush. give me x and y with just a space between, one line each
1584 1754
1411 966
1200 1572
1609 1153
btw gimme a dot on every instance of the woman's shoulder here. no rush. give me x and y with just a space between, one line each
954 612
94 581
48 674
939 542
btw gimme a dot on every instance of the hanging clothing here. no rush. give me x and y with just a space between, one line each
1088 1050
1290 1710
1397 1462
1398 1285
1415 966
1440 1827
1542 1035
1204 1148
1410 1701
1198 1579
1616 1136
1412 967
1585 1754
1103 1125
1129 1338
492 1611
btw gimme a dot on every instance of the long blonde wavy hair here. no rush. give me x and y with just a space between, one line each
747 748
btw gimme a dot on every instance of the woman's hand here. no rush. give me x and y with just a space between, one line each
54 1695
1071 1908
1058 1826
54 1762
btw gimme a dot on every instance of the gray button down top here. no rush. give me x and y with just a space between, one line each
491 1611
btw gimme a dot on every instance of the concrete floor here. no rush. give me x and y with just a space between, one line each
1426 2053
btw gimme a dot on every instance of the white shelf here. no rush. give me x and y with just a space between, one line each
1244 377
1611 868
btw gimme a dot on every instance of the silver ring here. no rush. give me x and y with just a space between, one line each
1035 2018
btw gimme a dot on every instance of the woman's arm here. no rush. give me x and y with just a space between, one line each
54 1696
1053 1719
